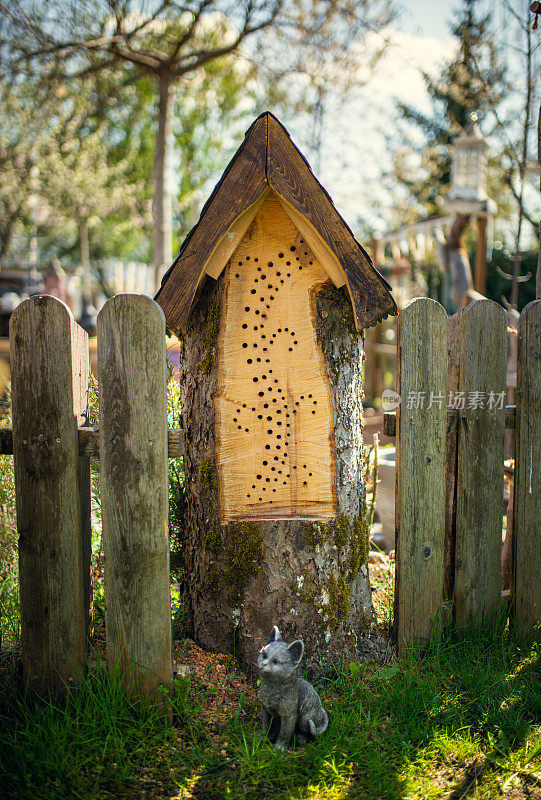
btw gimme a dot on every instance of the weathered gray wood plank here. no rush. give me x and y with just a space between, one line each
482 369
46 350
420 487
134 486
527 499
451 458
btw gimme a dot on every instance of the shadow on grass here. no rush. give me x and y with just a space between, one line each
428 725
438 723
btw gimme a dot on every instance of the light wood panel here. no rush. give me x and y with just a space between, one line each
274 447
319 246
231 239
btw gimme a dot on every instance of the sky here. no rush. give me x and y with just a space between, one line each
357 128
426 18
355 150
355 157
360 127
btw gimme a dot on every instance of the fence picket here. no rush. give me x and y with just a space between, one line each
527 498
49 360
134 480
420 494
451 445
481 433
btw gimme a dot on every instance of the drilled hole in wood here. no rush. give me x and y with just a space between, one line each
256 445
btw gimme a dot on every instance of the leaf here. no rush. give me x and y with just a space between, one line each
388 673
353 668
533 753
511 782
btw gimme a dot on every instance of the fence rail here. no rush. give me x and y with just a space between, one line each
89 442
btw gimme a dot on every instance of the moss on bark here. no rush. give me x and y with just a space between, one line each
237 550
207 361
207 475
329 596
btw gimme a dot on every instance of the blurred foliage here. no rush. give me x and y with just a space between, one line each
100 65
83 153
498 286
177 493
9 583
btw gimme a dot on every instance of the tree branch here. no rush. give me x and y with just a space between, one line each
204 56
517 197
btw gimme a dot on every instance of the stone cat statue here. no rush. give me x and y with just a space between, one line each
289 704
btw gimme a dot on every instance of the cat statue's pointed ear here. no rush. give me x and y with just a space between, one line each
296 649
275 635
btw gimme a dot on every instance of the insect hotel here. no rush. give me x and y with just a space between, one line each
269 295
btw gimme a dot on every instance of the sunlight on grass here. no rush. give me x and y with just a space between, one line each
462 718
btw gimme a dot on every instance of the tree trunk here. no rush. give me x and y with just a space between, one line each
162 202
458 264
85 258
309 578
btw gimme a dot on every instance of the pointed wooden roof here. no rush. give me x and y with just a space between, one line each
268 161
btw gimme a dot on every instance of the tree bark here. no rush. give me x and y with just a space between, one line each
311 579
162 202
85 258
459 263
481 256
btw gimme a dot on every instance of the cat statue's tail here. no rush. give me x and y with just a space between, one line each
318 730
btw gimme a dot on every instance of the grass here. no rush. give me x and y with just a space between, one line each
463 720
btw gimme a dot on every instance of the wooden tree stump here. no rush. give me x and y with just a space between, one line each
242 577
269 295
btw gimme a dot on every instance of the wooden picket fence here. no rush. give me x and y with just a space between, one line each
450 468
449 480
51 445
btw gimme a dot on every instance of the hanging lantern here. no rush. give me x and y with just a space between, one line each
469 156
469 165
